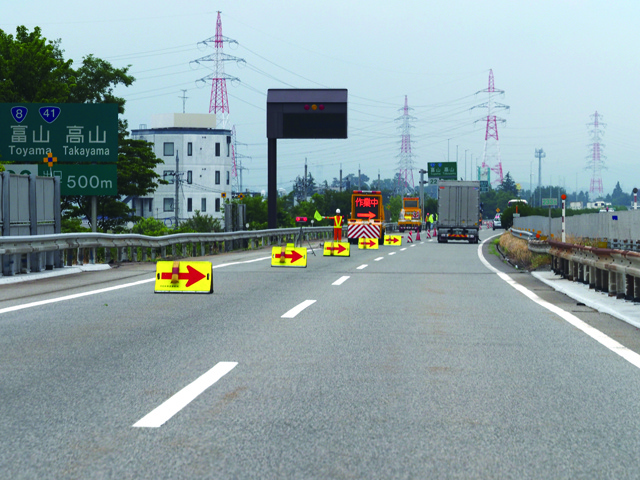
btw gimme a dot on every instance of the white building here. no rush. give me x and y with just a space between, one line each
204 166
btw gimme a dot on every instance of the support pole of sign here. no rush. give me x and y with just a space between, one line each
549 236
272 187
564 200
94 213
422 209
94 226
176 180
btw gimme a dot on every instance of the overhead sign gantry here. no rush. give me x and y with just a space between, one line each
302 114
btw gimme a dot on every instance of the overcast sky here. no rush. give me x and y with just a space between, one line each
558 62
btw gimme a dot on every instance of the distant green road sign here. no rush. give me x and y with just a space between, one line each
83 179
549 202
71 132
444 170
484 185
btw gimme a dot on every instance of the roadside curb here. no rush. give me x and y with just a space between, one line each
28 277
600 301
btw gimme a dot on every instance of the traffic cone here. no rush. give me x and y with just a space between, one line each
418 235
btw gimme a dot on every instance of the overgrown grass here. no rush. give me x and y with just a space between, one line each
493 247
519 254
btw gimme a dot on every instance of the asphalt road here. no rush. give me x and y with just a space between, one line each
423 363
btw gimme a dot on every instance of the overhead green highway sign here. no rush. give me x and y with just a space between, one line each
443 170
71 132
96 179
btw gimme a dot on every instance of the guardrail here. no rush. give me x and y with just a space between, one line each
35 253
609 270
613 271
535 245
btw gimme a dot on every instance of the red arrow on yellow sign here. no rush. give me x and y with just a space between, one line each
192 276
294 256
184 277
339 249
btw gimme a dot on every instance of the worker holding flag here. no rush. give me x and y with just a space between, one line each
337 225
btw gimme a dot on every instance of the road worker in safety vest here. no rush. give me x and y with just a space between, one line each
337 226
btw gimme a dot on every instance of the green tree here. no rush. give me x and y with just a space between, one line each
202 223
327 204
619 198
508 185
303 188
394 206
257 213
150 227
33 69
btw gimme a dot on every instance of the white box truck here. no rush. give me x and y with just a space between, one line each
458 210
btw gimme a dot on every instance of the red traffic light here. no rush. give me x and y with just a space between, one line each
301 219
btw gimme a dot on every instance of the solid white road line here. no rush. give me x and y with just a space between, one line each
71 297
169 408
296 310
104 290
362 267
340 281
616 347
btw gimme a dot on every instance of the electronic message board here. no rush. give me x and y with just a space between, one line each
366 207
307 113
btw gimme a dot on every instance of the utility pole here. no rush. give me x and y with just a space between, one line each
184 99
540 154
531 182
176 181
359 181
341 177
304 184
465 164
422 172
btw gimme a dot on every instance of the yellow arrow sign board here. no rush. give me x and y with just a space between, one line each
368 243
184 277
336 249
288 257
393 240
